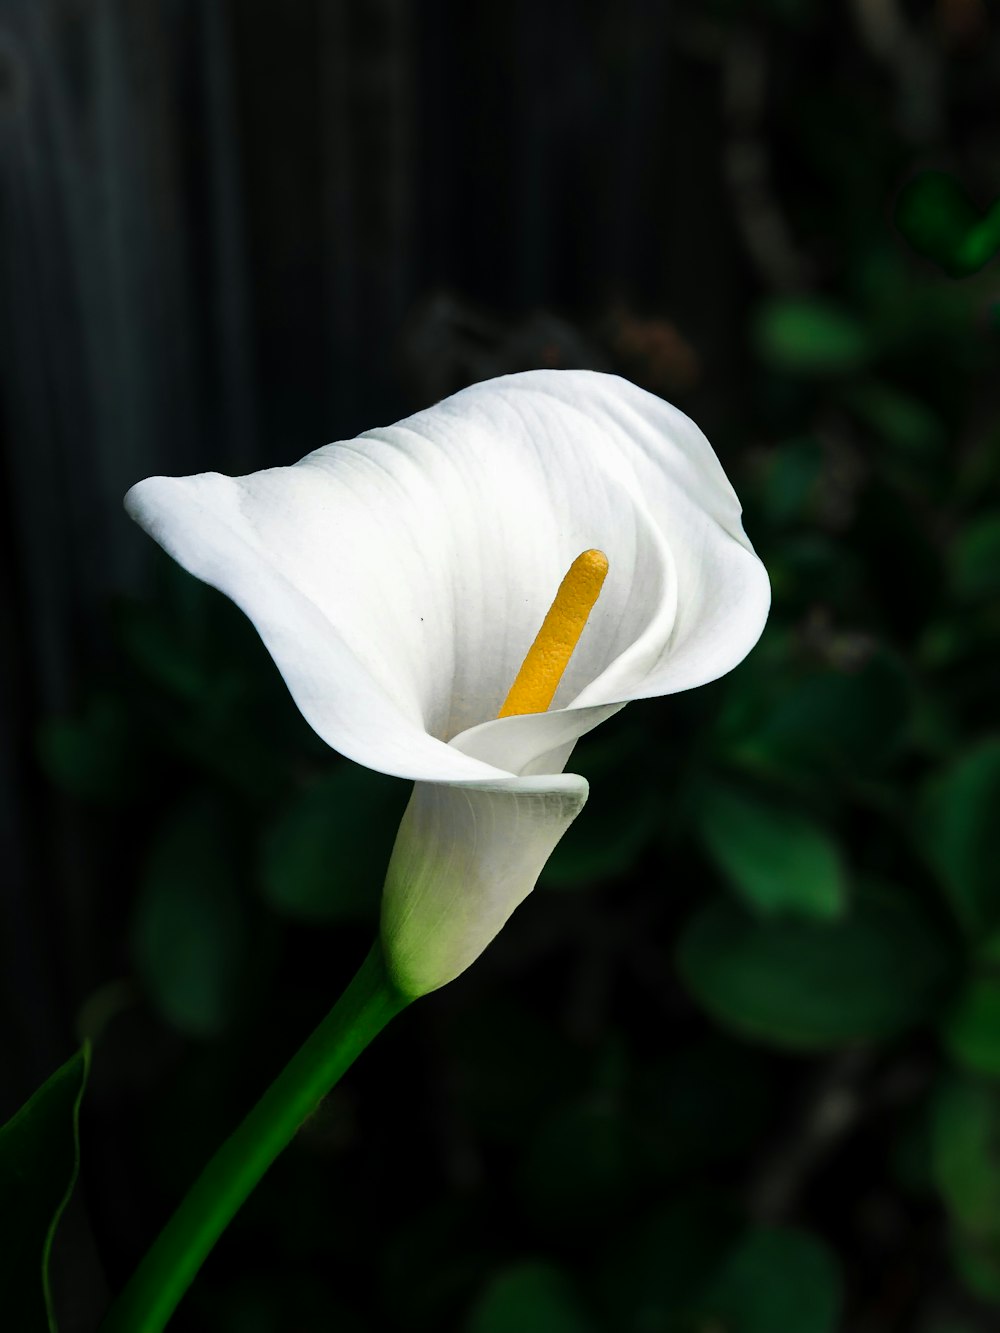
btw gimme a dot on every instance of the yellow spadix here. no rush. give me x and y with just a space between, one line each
548 657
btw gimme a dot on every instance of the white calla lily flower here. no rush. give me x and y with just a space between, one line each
398 580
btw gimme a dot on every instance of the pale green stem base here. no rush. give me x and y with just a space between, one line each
169 1268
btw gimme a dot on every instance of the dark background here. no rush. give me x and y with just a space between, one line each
733 1068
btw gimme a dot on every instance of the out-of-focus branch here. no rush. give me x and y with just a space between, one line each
849 1089
830 1115
911 59
746 163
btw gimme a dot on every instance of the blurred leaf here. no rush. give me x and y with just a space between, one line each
776 1280
530 1298
966 1154
960 644
39 1162
971 1028
807 984
975 559
94 756
966 1165
324 856
910 1154
217 698
511 1066
430 1266
659 1272
167 650
957 829
925 317
978 1266
625 810
811 336
978 465
226 741
936 215
833 723
607 845
699 1105
808 567
754 690
792 474
189 933
776 859
574 1174
904 421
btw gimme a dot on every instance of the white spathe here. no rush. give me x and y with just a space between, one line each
399 578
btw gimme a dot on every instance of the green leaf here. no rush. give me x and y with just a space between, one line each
576 1168
776 859
39 1161
624 813
775 1280
809 336
965 1136
660 1270
978 1266
430 1265
808 567
189 932
699 1105
905 422
165 648
530 1298
965 1161
93 756
835 723
324 857
510 1065
602 848
792 474
937 217
971 1028
975 559
958 830
810 984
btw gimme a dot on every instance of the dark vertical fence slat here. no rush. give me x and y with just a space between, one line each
150 378
366 144
278 107
36 503
38 612
124 373
641 78
231 302
339 208
382 109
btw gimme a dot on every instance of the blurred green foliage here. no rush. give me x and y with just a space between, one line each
939 219
39 1161
735 1066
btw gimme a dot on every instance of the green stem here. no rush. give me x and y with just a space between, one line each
169 1268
